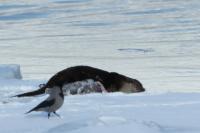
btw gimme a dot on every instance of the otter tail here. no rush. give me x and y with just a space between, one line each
32 93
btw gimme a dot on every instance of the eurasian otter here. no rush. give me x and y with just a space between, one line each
112 81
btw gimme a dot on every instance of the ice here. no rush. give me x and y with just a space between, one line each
10 71
153 41
83 87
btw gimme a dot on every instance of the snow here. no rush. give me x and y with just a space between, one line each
147 112
83 87
10 71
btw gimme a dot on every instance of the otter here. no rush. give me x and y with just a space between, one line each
112 81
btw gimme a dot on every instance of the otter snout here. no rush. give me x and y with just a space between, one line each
132 86
140 89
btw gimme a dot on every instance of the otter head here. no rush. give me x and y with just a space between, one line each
125 84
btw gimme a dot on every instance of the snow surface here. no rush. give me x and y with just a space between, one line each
148 112
83 87
10 71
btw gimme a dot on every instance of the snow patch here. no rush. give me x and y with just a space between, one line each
10 71
83 87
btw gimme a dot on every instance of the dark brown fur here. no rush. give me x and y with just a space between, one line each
111 81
